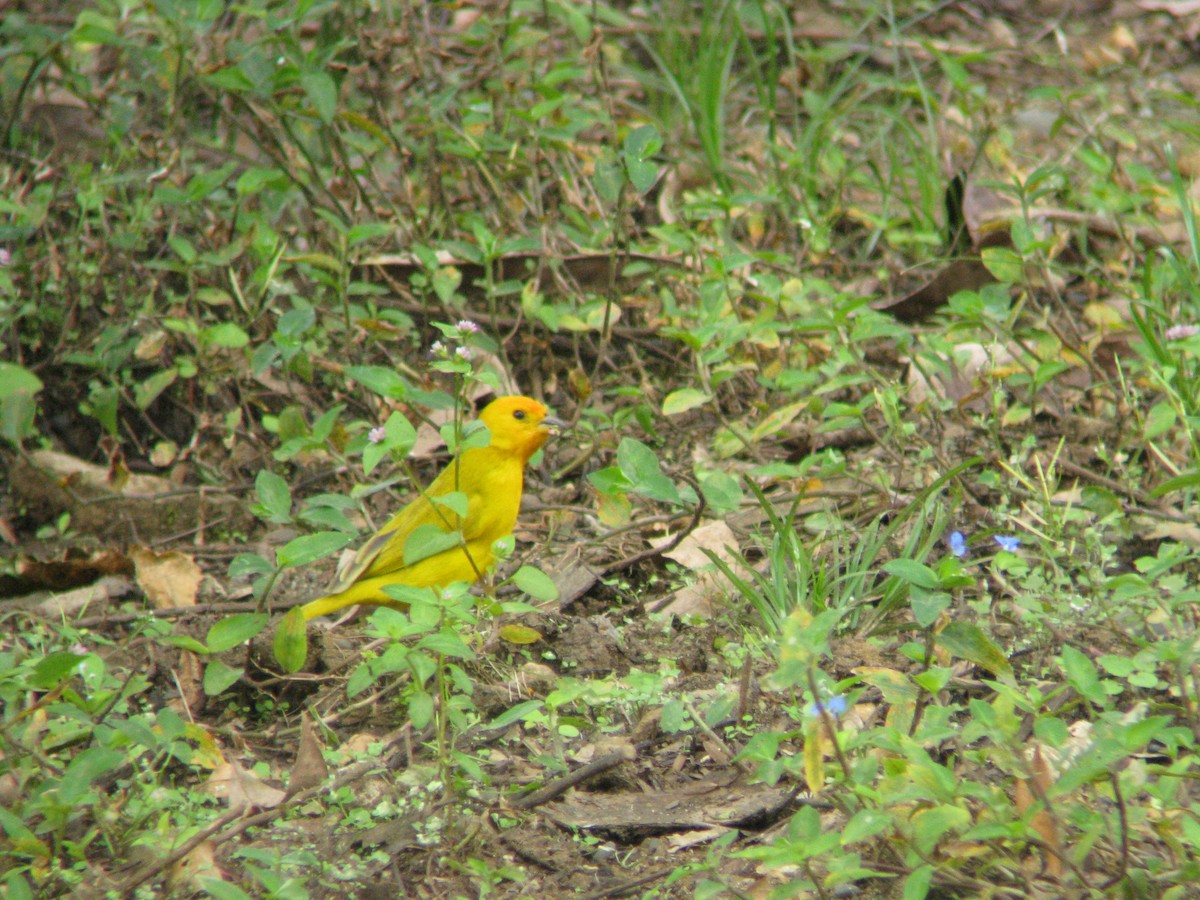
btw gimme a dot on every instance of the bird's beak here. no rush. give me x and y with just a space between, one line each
553 424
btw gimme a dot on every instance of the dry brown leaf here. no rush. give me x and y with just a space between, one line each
170 579
685 840
1042 777
309 769
964 377
201 862
698 597
240 789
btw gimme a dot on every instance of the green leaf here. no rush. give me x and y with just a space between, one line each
455 501
291 641
54 669
322 93
1160 419
428 540
535 583
514 714
521 635
1083 675
684 399
274 498
15 885
205 181
220 889
865 824
968 642
1178 483
147 392
184 642
420 709
927 605
610 481
447 644
246 564
913 572
231 78
398 438
310 547
87 766
637 149
18 391
917 884
225 334
1004 264
640 465
234 630
219 677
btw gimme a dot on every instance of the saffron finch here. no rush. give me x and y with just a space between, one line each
492 479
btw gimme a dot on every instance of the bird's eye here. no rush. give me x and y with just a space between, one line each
519 414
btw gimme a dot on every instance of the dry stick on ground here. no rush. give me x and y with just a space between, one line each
651 552
742 764
622 888
583 773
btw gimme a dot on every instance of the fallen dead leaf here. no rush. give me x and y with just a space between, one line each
240 789
698 597
170 579
309 769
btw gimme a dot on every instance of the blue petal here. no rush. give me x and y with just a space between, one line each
958 544
1008 542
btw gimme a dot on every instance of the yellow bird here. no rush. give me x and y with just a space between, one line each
491 477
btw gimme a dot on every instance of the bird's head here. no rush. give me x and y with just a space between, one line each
519 425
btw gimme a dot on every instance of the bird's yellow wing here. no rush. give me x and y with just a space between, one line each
383 552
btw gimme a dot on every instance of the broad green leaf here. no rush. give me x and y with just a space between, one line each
519 634
446 644
913 572
638 147
968 642
398 438
219 677
1004 264
234 630
54 669
380 380
455 501
684 399
184 642
274 498
291 641
428 540
309 548
1083 675
927 605
246 564
514 714
322 93
226 334
535 583
917 884
1178 483
18 404
420 709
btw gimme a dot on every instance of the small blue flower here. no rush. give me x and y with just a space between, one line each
958 544
835 706
1008 542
